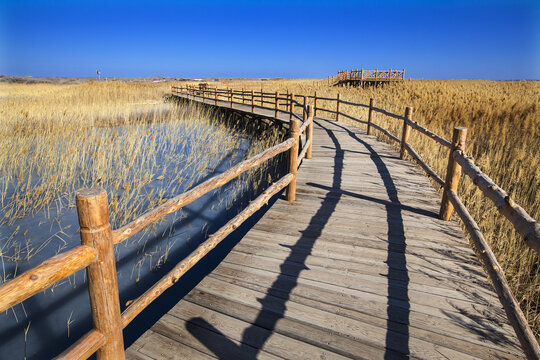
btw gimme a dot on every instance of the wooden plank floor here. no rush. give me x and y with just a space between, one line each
358 267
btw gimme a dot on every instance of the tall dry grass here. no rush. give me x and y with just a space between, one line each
121 136
503 121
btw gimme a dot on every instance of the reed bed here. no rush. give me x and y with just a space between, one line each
119 136
503 121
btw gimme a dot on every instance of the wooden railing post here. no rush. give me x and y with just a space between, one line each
243 95
309 133
216 96
453 172
370 114
93 212
315 104
337 107
291 108
231 95
406 131
276 106
252 102
262 97
203 95
293 158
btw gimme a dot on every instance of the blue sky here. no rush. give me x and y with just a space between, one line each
430 39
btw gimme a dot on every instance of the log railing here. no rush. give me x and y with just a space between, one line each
96 253
279 102
457 161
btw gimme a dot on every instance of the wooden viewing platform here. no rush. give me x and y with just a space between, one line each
365 77
358 259
358 266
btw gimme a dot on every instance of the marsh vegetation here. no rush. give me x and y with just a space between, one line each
143 150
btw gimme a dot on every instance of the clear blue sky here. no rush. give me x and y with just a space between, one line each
431 39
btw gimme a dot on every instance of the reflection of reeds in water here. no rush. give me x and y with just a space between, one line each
119 136
503 121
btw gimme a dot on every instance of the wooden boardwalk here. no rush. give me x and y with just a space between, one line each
359 266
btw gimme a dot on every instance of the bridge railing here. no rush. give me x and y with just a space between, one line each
96 254
457 162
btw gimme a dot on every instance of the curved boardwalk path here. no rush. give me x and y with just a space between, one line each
359 266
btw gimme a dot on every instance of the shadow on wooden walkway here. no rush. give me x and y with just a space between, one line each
359 266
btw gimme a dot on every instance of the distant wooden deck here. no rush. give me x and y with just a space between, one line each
365 77
359 266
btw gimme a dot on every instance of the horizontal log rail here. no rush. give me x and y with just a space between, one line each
430 134
524 224
496 274
423 164
139 304
85 347
328 110
352 103
354 118
44 275
177 202
230 95
387 113
386 132
304 151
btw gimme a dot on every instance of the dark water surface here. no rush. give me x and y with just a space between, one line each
48 323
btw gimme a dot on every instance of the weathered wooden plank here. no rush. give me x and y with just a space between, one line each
337 324
415 324
373 217
253 240
412 279
411 297
315 230
132 354
276 344
298 330
359 266
352 256
206 341
158 346
348 289
344 244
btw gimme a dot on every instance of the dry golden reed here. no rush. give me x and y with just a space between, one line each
120 136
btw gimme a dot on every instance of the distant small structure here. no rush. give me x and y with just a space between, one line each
98 74
365 77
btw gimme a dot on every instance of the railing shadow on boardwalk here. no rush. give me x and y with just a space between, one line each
397 330
398 319
273 308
